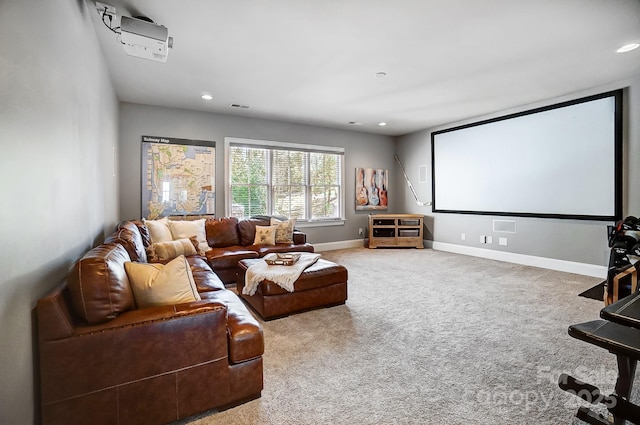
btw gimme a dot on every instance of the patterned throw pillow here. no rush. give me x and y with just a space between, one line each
265 235
162 284
284 230
170 249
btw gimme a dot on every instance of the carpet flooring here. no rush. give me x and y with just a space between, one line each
429 337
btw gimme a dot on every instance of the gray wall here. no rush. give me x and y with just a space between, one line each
361 150
571 240
58 130
62 192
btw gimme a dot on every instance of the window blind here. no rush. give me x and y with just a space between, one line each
275 178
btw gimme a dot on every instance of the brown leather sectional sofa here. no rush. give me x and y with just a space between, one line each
232 240
103 361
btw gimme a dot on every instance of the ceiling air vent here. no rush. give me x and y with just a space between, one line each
236 105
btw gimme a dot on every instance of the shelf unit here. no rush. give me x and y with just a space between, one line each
401 230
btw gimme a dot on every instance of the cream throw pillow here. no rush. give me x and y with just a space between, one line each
162 284
158 230
184 229
265 235
284 230
171 249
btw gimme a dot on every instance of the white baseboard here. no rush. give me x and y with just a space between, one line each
509 257
330 246
527 260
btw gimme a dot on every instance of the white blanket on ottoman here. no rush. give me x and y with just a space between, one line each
284 276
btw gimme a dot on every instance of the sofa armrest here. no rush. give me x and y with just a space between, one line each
136 345
53 316
299 238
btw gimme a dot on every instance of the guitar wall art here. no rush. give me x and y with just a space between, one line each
371 189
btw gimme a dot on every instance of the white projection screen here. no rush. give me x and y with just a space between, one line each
560 161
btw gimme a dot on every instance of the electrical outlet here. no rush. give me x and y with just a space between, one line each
483 239
489 239
360 231
463 236
106 9
502 241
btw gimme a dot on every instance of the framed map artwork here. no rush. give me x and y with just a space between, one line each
371 189
178 177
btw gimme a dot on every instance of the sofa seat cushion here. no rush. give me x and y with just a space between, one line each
318 275
225 258
146 316
245 336
206 279
263 250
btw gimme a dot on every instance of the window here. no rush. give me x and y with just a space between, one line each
293 180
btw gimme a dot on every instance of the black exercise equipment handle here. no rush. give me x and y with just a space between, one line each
587 392
615 404
624 409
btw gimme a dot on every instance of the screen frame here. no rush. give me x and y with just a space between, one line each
617 95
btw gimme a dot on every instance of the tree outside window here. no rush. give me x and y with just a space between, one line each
296 183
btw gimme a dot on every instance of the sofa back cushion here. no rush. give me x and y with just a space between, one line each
142 229
99 286
247 229
130 238
222 232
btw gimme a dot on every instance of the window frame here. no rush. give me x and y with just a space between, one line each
275 145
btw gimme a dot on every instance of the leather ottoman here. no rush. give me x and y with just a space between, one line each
322 284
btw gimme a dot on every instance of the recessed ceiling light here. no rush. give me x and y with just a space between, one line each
206 96
382 124
628 48
381 74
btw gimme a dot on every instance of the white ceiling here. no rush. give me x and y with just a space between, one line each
314 61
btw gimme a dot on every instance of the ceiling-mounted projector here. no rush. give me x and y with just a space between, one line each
144 39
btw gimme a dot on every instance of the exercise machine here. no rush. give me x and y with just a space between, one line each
624 241
619 333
